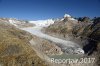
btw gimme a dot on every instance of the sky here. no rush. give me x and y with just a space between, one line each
46 9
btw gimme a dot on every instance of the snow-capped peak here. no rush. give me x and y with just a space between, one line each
43 23
66 15
69 17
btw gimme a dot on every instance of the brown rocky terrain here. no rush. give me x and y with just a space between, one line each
84 31
47 47
15 49
20 48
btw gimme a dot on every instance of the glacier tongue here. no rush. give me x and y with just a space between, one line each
66 46
62 43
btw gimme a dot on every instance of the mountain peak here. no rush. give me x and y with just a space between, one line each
67 15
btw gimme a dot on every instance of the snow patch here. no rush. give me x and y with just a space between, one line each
66 15
12 22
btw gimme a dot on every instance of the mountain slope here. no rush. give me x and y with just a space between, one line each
83 32
15 49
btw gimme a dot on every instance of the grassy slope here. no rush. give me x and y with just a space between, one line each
15 49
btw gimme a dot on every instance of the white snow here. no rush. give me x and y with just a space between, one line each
42 23
67 15
78 51
12 22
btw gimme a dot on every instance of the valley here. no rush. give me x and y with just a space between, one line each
46 39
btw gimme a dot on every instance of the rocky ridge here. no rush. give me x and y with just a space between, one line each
84 32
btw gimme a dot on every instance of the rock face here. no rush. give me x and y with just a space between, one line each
84 32
15 49
93 34
47 47
63 26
